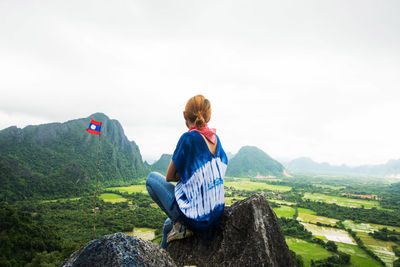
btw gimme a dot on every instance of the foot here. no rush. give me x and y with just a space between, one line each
179 231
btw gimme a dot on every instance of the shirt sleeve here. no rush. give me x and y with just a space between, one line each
182 157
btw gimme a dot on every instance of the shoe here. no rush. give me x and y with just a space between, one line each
178 232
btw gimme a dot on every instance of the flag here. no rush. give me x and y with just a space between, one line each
94 127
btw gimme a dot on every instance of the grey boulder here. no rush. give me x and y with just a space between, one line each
119 250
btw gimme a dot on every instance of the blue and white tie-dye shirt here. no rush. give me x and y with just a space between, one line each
200 191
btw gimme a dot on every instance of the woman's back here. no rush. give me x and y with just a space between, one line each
200 191
212 147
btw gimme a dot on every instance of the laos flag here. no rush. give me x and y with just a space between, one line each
94 127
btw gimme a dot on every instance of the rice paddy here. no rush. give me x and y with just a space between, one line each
306 211
342 201
143 233
246 184
141 188
60 199
113 198
383 249
367 227
359 258
333 234
284 211
329 186
308 251
309 218
231 200
282 202
311 251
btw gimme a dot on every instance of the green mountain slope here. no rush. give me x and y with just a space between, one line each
162 164
19 183
251 161
65 152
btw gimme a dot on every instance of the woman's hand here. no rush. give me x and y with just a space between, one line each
172 174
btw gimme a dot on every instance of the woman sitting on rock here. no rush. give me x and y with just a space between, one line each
198 166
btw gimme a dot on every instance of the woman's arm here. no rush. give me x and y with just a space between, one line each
172 174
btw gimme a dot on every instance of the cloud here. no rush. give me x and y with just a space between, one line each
294 78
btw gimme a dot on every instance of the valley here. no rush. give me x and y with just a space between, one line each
48 175
123 208
287 199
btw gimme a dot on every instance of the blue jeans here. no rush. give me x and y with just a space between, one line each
163 193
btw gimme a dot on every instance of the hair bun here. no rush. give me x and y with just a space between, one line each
199 120
198 110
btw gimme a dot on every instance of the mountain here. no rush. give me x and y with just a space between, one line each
251 161
307 165
162 164
63 156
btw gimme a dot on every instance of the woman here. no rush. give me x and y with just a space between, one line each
198 166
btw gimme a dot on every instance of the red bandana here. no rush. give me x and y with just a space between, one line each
208 133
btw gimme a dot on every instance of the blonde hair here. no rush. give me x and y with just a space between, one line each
198 111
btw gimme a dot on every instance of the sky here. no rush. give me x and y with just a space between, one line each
319 79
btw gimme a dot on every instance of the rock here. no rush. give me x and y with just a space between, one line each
119 250
249 235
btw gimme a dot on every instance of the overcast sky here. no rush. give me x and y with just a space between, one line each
294 78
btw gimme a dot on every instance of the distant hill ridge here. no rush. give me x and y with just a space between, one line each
66 153
251 161
307 165
162 164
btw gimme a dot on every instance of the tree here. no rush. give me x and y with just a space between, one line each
331 246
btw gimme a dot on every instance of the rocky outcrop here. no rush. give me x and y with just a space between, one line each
119 250
249 235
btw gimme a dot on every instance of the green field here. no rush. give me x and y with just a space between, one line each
383 249
60 199
143 233
246 184
268 179
309 251
359 258
342 201
305 217
231 200
329 186
141 188
282 202
306 211
333 234
284 211
240 184
367 227
113 198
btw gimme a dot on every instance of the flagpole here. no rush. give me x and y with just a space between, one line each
97 182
